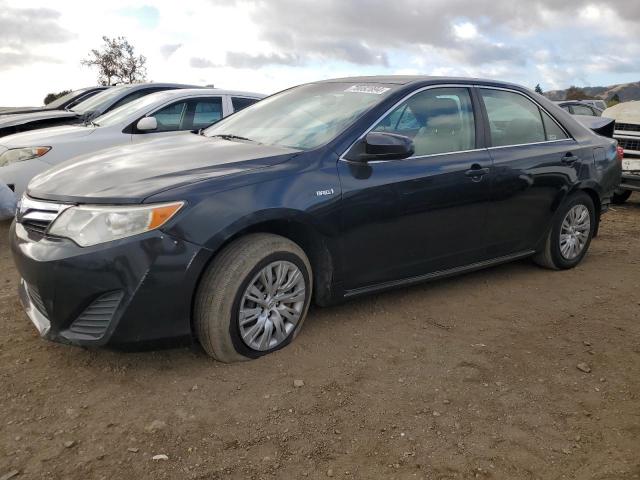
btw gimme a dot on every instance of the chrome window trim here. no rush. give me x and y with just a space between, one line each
569 137
532 143
456 85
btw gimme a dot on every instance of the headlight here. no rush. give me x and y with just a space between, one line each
90 225
14 155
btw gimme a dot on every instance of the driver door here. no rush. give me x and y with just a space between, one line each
424 214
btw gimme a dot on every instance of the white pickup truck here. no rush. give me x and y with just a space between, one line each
627 132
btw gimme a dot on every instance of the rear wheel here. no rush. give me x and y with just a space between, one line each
570 235
253 298
620 196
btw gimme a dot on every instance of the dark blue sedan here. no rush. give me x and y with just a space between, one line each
322 192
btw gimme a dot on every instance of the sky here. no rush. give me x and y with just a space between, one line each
268 45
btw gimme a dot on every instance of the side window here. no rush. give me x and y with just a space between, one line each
239 103
513 118
566 107
552 129
439 120
171 117
206 111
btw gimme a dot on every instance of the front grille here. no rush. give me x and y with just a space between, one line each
628 127
629 143
37 216
36 299
97 316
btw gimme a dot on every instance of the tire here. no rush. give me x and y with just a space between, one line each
551 256
620 196
222 297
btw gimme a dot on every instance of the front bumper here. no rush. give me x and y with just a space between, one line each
135 290
630 181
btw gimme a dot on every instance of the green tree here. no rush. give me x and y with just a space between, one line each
54 96
117 62
575 93
614 100
538 89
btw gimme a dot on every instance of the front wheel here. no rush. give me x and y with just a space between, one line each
570 235
253 298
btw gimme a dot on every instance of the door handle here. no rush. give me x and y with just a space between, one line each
570 159
476 172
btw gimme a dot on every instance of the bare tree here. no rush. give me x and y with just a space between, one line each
117 62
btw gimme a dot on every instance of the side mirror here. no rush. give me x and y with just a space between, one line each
382 146
147 124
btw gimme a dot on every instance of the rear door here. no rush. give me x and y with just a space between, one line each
405 218
535 162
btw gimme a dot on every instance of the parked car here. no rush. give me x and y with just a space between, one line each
627 132
326 191
599 104
24 155
84 111
63 103
579 107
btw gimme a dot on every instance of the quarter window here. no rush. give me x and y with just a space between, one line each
552 129
439 120
241 102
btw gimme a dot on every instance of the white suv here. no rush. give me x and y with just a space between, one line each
170 112
627 132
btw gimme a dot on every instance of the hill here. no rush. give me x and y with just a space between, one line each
626 92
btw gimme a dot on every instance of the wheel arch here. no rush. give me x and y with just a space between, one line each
296 227
592 191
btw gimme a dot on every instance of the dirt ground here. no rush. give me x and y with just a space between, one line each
472 377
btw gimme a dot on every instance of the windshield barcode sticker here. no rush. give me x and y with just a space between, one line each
367 89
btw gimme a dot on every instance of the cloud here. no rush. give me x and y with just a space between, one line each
20 27
198 62
247 60
169 49
24 29
480 37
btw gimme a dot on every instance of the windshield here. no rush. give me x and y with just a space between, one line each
57 103
303 117
121 114
94 103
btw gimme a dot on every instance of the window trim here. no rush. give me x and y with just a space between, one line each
476 119
486 118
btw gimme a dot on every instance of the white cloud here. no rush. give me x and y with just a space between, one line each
266 46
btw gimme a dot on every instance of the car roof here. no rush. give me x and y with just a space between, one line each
410 79
190 92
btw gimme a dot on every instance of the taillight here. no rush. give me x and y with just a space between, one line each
620 153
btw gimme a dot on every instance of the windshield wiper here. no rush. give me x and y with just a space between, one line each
229 136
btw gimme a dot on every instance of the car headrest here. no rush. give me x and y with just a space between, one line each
435 112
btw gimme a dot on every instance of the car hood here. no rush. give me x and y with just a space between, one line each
627 112
22 118
46 137
129 174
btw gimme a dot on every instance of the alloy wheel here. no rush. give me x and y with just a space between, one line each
272 305
575 230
